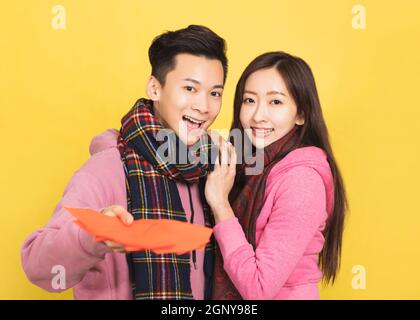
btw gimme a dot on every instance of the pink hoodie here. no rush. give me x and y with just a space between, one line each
298 195
297 200
91 268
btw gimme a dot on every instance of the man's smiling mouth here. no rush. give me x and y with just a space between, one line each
192 123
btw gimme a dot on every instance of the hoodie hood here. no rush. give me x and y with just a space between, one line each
105 140
311 157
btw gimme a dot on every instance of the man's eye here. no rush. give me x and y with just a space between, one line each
276 101
216 94
248 100
189 88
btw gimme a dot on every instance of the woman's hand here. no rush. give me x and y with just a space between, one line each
220 181
125 217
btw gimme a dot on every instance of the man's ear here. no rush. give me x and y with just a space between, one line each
153 88
300 120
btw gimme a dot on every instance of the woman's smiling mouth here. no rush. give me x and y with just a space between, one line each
261 132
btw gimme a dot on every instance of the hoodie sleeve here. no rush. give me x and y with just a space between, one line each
62 243
299 209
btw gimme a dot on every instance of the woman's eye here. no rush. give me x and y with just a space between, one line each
248 100
275 101
216 94
189 88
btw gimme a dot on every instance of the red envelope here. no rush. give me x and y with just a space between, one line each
159 235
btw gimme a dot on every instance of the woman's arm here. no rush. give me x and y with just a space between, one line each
299 209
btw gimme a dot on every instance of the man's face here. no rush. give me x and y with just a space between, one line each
191 98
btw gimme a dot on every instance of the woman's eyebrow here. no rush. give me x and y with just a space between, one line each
275 92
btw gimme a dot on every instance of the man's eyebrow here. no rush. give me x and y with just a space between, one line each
192 80
217 86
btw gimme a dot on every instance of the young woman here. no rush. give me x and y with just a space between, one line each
279 232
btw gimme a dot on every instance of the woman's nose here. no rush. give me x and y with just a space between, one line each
259 114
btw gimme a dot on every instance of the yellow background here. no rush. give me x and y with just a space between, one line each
61 87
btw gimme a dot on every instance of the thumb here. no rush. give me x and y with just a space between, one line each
125 216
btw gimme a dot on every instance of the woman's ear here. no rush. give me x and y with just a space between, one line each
153 88
300 120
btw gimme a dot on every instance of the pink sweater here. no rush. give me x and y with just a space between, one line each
92 269
299 193
298 199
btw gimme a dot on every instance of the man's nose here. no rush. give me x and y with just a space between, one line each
201 104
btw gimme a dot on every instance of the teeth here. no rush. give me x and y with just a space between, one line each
193 120
263 130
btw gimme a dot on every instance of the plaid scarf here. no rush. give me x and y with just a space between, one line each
246 200
152 194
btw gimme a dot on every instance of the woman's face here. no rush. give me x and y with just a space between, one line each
268 111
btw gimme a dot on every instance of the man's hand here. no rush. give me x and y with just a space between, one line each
125 216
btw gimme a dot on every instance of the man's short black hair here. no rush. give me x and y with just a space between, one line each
196 40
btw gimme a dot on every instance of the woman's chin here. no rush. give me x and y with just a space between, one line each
260 143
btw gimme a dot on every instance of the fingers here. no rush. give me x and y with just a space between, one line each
115 246
221 154
118 211
224 160
217 162
215 137
125 217
232 160
219 143
228 155
223 146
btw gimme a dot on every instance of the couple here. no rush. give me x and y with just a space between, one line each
276 234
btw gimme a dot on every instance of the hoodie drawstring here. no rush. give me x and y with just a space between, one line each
192 221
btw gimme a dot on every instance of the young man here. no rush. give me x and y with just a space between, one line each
126 177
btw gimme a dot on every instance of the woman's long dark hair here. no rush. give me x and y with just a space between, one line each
300 82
